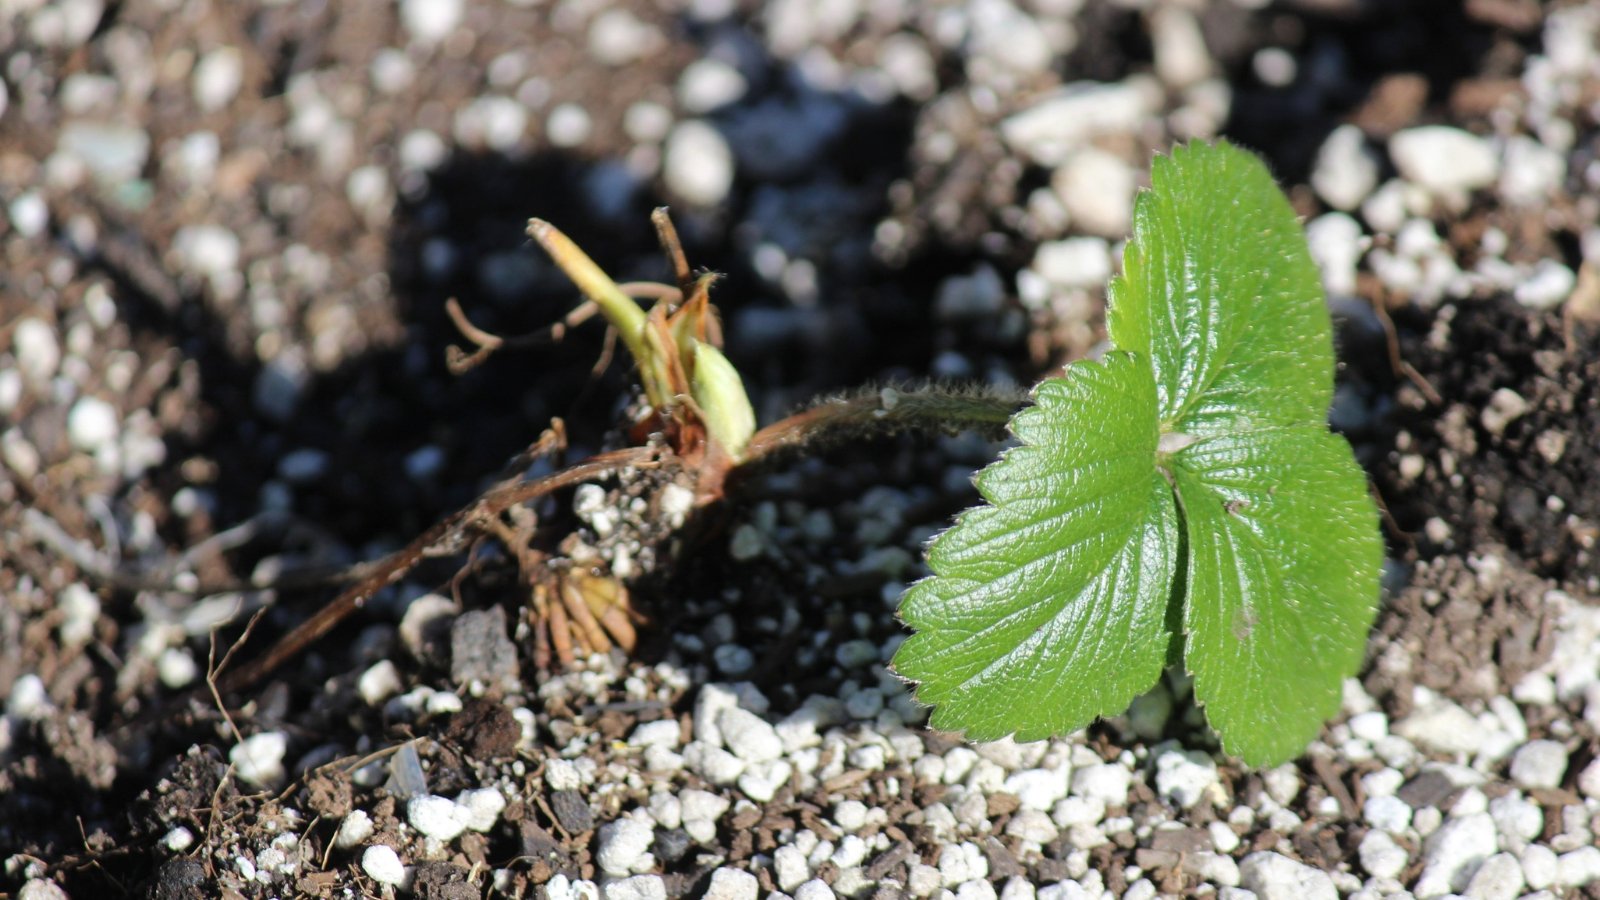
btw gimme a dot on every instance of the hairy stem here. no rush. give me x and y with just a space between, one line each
883 411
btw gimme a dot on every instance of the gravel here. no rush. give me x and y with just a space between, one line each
383 865
1443 159
437 817
624 847
732 884
1453 853
1273 876
1539 764
697 164
940 152
258 759
639 887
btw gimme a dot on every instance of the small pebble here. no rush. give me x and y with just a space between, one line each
672 844
568 125
623 846
1517 819
762 781
1532 171
749 736
1589 780
1540 866
850 815
80 610
92 424
178 839
1032 825
436 817
354 830
572 811
1539 764
702 806
660 733
481 652
1336 245
482 807
1040 788
617 37
733 659
815 889
176 668
1499 878
217 78
1184 777
1453 852
639 887
857 653
1273 876
1181 57
1578 868
790 868
697 164
1444 159
422 150
1547 286
728 883
1442 726
1346 169
391 70
1504 407
1381 856
37 350
707 84
258 759
646 122
961 863
113 153
978 295
1097 188
560 887
431 21
714 764
1081 262
383 865
29 213
498 123
1064 120
209 250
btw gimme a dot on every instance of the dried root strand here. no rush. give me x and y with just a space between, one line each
610 604
588 628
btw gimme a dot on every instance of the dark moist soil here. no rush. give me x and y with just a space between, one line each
1490 494
89 790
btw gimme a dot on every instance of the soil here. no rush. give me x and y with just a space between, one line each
343 309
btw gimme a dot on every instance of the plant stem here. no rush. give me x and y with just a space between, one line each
888 410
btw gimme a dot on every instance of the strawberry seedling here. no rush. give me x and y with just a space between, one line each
1180 501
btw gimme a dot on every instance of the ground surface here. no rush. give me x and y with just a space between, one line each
229 232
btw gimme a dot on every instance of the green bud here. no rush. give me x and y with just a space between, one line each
719 393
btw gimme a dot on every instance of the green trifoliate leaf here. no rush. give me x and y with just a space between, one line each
1050 603
1219 288
1283 544
1283 560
